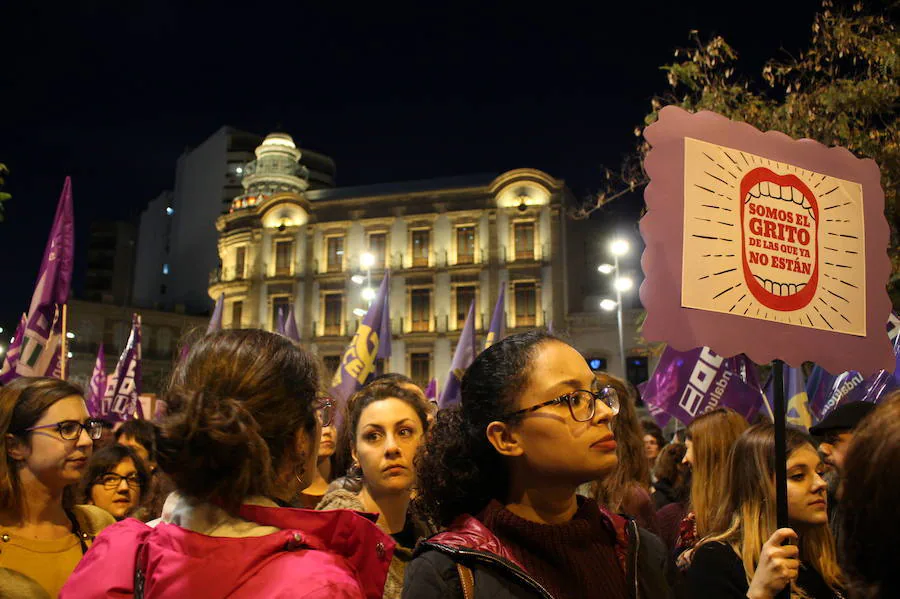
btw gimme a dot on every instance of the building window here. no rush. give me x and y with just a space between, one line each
334 312
465 245
523 235
165 269
526 304
332 363
378 248
280 307
240 261
420 368
335 254
465 295
237 314
284 251
636 369
420 307
421 246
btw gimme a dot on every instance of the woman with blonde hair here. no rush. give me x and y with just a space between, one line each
709 440
746 554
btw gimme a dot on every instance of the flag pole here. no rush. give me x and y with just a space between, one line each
63 359
780 458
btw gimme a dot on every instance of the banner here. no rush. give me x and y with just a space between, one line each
215 322
97 389
797 410
358 362
36 349
688 384
120 402
431 390
462 359
290 326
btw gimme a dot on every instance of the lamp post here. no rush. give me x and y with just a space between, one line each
618 247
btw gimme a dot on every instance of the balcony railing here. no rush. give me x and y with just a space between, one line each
226 274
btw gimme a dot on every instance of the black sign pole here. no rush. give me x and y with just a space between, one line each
781 503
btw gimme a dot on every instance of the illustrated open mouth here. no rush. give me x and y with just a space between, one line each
779 239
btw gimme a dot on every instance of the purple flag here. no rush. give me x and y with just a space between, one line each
796 399
687 384
462 359
279 326
37 345
215 322
290 327
431 390
97 390
498 321
120 402
358 363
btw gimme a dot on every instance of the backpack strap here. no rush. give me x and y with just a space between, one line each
467 580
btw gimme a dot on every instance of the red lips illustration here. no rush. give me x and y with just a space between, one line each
779 212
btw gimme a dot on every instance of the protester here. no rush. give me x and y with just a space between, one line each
140 435
869 516
654 441
325 468
672 476
239 440
46 438
626 489
501 470
385 426
835 433
114 480
745 554
710 438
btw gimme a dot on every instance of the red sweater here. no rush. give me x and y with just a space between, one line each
575 559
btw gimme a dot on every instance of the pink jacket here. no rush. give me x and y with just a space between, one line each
316 555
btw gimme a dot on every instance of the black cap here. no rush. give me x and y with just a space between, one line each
844 417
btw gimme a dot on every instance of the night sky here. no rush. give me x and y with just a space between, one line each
112 93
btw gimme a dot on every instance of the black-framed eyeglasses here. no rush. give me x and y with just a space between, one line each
582 403
70 430
111 481
325 411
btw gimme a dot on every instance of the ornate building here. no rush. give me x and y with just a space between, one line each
447 242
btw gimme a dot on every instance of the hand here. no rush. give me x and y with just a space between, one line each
779 565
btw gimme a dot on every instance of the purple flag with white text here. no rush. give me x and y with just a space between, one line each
687 384
498 321
462 359
120 402
38 343
358 362
431 390
97 389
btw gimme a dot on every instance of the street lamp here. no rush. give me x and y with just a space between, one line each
368 294
366 262
617 247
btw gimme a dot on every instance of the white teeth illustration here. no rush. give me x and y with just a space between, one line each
764 188
786 193
780 289
754 191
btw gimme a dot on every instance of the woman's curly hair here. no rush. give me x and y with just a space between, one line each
459 470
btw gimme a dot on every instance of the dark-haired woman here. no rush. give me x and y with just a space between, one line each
325 467
746 554
500 471
240 440
46 438
385 426
114 481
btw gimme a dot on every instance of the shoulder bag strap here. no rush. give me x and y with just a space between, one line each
467 580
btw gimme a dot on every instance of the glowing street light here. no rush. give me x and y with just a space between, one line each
358 279
623 284
606 268
619 247
70 335
368 294
367 260
359 312
608 304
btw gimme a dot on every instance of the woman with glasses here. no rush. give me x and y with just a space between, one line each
385 425
500 472
240 440
115 480
325 470
47 439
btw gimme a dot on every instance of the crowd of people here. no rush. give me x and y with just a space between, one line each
541 483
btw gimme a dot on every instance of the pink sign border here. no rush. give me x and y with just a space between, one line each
663 228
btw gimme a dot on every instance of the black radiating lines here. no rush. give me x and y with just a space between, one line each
711 237
718 178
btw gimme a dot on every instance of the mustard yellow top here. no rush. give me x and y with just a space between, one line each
49 563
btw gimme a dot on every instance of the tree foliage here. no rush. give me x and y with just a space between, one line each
844 89
3 196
